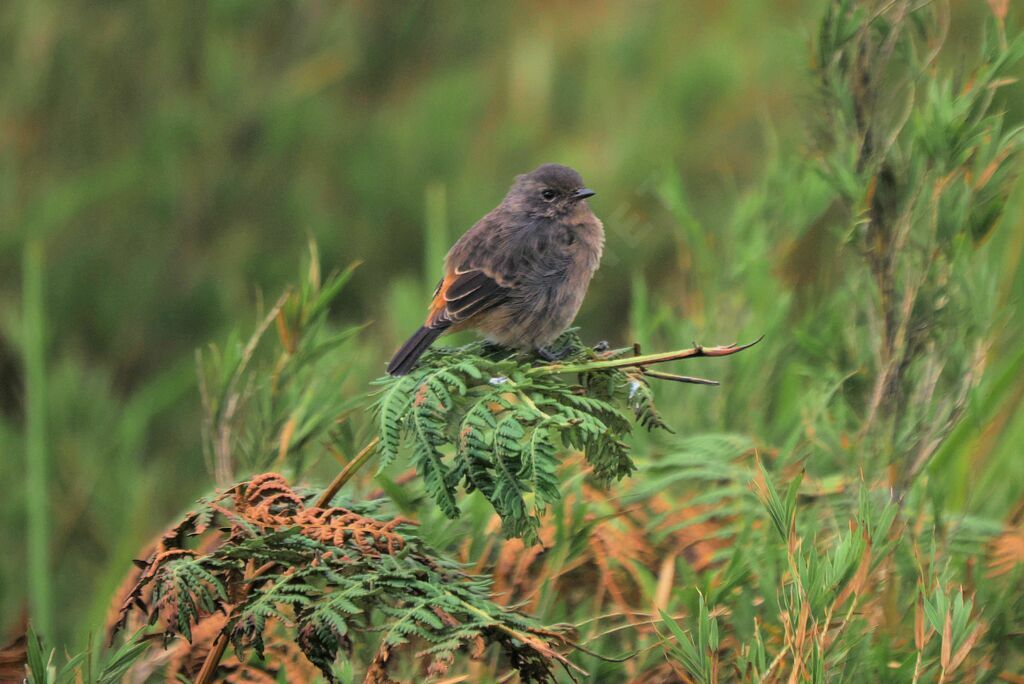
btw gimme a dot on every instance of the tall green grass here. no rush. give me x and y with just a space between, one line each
37 453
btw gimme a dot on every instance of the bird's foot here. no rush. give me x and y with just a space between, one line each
492 348
549 354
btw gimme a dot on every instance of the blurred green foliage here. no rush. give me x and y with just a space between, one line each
174 158
170 160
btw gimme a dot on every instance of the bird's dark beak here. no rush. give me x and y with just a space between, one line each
583 193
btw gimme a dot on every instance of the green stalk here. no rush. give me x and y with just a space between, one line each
37 500
644 360
347 472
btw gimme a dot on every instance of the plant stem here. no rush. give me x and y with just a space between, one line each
37 499
220 644
644 360
347 472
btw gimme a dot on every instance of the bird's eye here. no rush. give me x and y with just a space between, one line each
548 195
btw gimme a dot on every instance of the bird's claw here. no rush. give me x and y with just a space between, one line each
553 354
490 348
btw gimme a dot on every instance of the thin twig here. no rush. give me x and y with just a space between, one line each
642 361
347 472
595 654
689 379
233 399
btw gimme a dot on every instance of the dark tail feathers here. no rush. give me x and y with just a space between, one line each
405 358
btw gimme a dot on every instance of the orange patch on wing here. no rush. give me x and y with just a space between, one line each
439 303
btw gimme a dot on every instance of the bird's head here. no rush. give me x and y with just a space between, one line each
549 191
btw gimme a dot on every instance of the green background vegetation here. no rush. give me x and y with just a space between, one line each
163 165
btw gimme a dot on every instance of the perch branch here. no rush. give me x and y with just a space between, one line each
645 360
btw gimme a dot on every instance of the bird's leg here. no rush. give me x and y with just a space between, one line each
491 348
549 354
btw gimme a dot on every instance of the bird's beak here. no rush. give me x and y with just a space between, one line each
583 193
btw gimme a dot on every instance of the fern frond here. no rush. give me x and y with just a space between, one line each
391 408
183 590
334 573
510 427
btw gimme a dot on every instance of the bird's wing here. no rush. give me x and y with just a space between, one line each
462 294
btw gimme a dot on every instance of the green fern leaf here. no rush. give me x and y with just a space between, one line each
391 409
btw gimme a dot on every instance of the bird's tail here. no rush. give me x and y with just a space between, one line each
405 358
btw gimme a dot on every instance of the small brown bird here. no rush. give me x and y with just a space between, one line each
519 275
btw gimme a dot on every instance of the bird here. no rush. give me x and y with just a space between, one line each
520 274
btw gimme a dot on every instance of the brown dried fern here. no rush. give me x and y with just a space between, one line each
255 562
